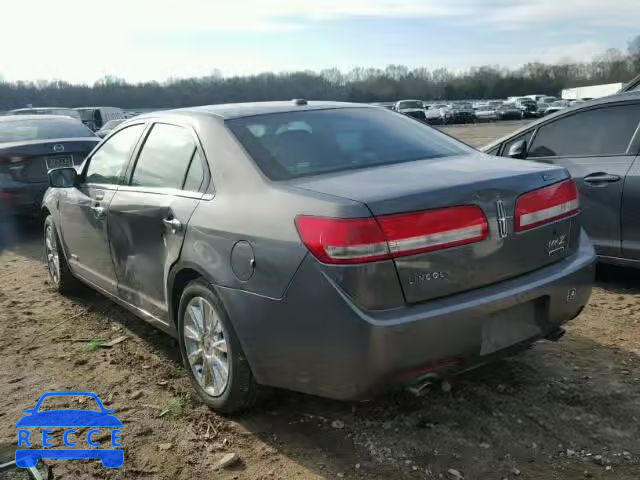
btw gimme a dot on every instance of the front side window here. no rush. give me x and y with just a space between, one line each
164 158
598 132
106 166
332 140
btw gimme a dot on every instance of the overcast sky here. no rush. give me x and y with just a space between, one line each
83 40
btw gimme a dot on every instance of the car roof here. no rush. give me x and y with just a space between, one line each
617 98
10 118
29 109
238 110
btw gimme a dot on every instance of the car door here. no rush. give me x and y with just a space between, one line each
594 144
83 210
148 216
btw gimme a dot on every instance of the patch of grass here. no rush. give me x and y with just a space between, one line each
97 344
174 408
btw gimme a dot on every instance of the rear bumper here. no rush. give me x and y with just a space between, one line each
21 199
316 340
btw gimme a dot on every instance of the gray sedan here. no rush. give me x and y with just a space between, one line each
329 248
598 142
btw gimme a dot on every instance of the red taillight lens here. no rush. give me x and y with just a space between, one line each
411 233
357 240
546 205
342 240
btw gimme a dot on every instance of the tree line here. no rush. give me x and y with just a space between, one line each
358 85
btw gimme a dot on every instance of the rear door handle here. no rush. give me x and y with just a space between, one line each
601 178
99 195
173 223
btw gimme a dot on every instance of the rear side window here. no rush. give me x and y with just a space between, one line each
295 144
164 158
195 175
599 132
107 164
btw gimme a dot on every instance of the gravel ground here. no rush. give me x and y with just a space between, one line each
566 410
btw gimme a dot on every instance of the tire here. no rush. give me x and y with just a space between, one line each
240 392
59 272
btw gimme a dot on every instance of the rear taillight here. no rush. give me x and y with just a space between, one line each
411 233
546 205
357 240
343 240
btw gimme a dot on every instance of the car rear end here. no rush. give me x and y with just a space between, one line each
26 155
446 267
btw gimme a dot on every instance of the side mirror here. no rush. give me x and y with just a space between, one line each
518 150
63 177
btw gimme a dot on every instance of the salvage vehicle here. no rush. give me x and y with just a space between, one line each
96 117
412 108
509 111
436 114
486 113
557 106
598 142
527 106
460 112
30 145
334 249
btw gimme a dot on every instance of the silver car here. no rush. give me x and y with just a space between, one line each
598 142
330 248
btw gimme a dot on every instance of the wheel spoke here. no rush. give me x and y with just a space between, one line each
220 372
196 318
192 334
194 356
208 379
220 345
210 319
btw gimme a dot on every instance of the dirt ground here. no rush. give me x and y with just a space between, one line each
565 410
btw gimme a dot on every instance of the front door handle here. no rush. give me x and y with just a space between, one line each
601 177
98 211
173 223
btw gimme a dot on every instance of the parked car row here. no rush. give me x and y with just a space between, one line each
514 108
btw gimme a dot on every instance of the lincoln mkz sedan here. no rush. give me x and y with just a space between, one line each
329 248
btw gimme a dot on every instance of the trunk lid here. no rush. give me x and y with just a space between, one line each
491 183
30 161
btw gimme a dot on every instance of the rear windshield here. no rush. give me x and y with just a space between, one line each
295 144
26 130
411 104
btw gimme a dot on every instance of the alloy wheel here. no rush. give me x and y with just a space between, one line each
53 257
206 346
